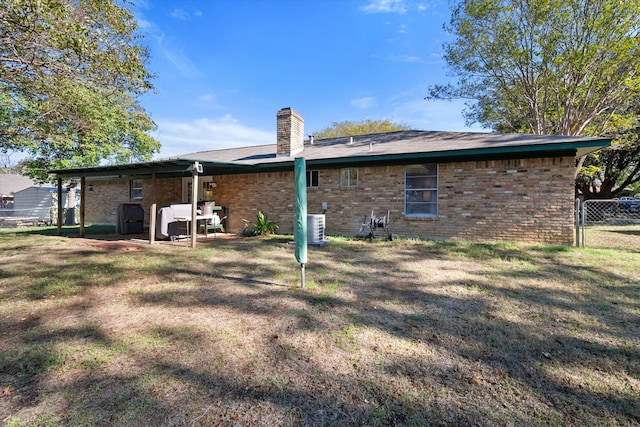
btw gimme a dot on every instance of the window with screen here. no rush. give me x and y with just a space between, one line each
421 190
348 178
135 189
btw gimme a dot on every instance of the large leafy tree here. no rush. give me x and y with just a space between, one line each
354 128
565 67
70 74
613 171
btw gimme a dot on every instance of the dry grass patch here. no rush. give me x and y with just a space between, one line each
386 333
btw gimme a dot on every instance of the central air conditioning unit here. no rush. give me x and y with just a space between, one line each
315 230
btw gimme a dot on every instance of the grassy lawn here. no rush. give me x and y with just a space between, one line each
385 333
619 236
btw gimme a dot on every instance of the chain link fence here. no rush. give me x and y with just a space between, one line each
612 223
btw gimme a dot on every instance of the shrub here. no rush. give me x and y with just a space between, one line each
262 226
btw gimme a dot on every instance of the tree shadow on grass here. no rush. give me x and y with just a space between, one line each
625 232
485 350
520 350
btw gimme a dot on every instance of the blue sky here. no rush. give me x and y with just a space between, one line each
225 67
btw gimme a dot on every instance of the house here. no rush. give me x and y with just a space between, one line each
39 203
9 185
436 185
24 201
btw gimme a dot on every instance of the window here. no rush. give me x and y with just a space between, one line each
206 189
312 178
187 190
135 189
421 190
349 178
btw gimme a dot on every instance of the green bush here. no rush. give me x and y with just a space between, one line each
261 227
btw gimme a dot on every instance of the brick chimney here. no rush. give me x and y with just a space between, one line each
290 133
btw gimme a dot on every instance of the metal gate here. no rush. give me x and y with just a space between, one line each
608 223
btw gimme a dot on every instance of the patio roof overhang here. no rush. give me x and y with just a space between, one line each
170 168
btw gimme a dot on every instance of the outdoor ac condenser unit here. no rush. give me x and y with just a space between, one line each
315 230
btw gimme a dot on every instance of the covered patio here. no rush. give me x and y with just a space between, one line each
169 168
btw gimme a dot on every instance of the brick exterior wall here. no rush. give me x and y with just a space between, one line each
103 200
518 200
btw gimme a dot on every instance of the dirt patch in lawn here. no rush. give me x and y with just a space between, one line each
118 245
136 242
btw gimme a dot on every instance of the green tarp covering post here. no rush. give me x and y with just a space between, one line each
300 232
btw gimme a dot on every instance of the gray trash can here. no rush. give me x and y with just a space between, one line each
130 219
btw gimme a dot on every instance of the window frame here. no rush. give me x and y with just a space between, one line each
434 189
135 191
311 174
206 188
350 179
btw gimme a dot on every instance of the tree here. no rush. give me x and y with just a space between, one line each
544 66
365 127
70 72
613 171
563 67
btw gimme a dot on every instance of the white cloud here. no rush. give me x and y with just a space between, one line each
433 115
432 4
167 47
206 98
228 118
182 137
364 103
179 14
177 57
411 58
143 24
385 6
183 15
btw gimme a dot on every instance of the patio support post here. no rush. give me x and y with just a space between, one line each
152 224
577 218
59 219
83 190
153 212
194 204
154 200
